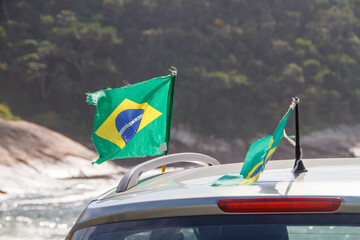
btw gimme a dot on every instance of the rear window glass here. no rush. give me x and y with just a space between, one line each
230 227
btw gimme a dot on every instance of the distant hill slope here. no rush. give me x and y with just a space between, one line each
239 62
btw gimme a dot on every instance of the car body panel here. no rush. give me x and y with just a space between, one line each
189 192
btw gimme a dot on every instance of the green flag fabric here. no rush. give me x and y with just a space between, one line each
261 151
228 180
133 121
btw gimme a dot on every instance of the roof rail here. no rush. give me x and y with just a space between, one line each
131 177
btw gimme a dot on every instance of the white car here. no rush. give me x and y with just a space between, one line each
322 203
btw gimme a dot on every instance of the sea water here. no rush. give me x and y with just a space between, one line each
49 213
39 207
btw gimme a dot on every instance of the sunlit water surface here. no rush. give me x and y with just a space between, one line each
48 215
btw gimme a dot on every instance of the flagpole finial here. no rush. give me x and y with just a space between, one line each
296 100
173 71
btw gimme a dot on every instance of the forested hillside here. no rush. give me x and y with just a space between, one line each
239 61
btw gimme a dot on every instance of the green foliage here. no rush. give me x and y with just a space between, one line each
3 66
281 46
6 114
312 63
346 59
320 76
293 72
239 62
226 79
47 19
2 32
306 45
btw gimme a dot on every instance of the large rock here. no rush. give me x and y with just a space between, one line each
30 154
29 143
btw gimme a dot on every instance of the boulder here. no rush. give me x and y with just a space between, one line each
31 154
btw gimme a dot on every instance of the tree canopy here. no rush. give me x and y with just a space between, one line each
239 61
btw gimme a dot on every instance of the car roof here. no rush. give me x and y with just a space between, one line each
190 192
324 177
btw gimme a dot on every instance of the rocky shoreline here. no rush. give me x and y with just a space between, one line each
339 141
30 153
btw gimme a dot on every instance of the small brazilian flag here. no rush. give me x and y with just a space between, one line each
261 151
133 121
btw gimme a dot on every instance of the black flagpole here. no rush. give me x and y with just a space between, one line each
297 130
299 165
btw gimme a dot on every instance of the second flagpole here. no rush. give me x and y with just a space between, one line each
299 165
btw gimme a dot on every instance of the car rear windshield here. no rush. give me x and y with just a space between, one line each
230 227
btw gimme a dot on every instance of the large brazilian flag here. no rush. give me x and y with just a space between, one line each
133 121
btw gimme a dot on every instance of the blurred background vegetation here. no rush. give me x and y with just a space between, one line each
239 61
